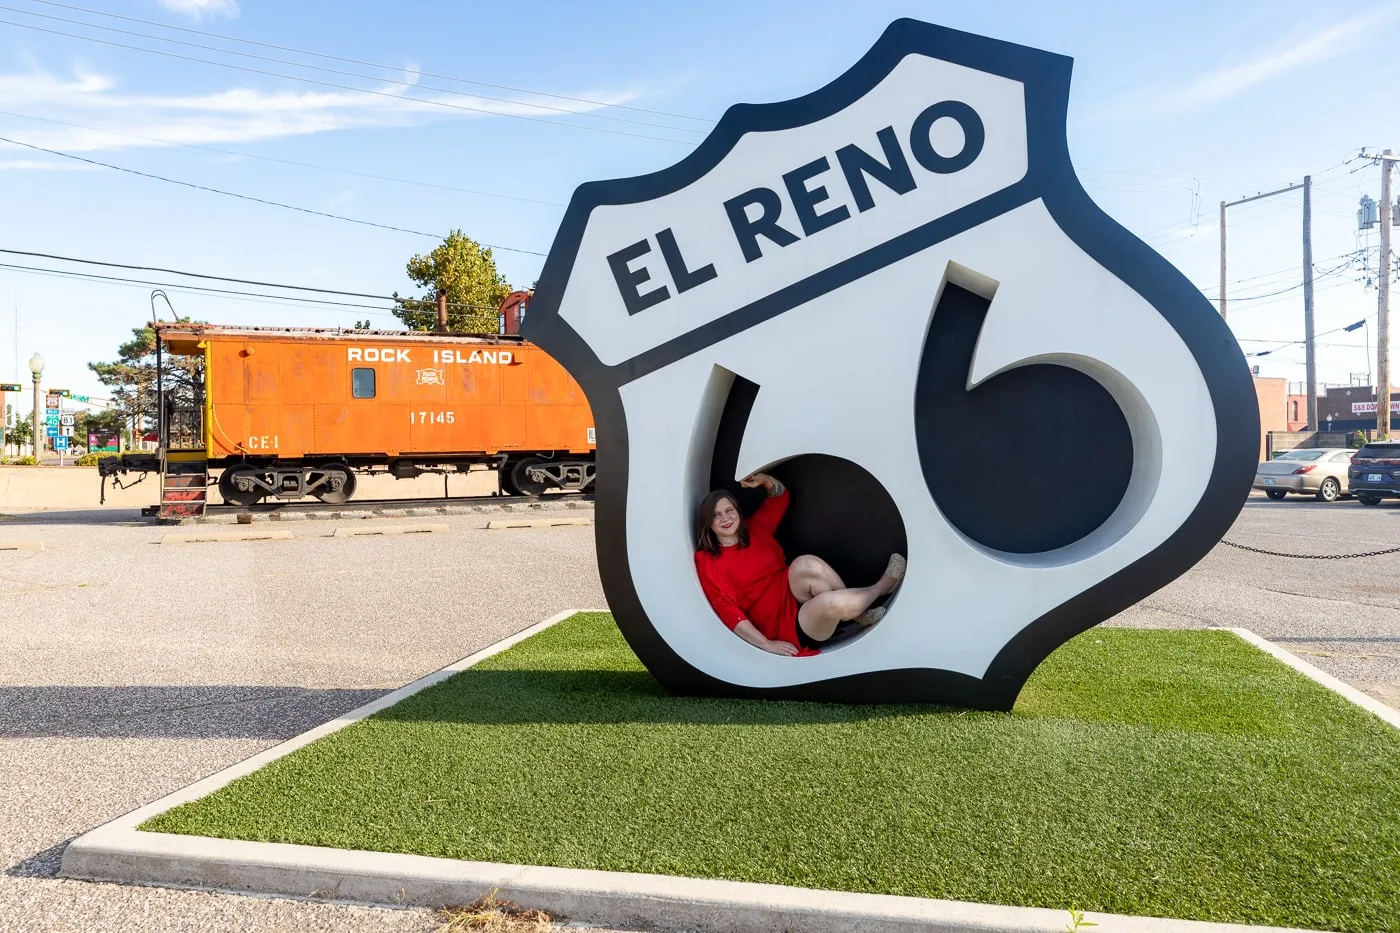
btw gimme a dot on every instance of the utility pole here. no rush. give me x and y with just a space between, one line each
1307 281
1223 205
1386 214
1309 351
1383 317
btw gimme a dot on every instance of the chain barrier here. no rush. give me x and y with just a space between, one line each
1259 550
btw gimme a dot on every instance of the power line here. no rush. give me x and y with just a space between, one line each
342 72
265 158
313 304
224 278
1283 291
249 197
356 61
343 87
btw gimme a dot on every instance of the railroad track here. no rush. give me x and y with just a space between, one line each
376 505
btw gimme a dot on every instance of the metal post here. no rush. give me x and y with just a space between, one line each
442 311
38 420
1310 350
162 429
1222 259
1383 316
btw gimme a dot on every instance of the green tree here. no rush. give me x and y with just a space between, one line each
466 271
132 380
20 432
108 421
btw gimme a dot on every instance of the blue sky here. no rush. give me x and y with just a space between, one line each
1175 107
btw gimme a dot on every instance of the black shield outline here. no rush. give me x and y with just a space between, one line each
1051 179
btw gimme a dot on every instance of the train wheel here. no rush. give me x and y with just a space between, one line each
339 485
520 478
507 484
229 489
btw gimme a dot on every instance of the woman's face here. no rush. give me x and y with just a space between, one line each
725 521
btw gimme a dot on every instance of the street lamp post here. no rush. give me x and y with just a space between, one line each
1364 322
36 368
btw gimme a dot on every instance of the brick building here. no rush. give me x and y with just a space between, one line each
1352 408
1274 408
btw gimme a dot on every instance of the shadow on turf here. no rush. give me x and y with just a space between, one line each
171 712
520 697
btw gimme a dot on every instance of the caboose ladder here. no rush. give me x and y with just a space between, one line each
184 486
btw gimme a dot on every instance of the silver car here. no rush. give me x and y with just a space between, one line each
1317 471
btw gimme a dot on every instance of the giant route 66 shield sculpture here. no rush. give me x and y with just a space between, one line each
894 295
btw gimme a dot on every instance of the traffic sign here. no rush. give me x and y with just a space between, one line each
65 430
67 420
81 398
51 431
60 443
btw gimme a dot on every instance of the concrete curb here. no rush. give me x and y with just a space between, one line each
1347 691
503 523
420 510
201 537
362 530
117 851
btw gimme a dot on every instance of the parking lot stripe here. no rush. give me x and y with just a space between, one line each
200 537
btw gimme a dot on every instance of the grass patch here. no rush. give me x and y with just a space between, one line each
1168 773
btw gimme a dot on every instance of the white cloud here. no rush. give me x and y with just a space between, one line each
1220 84
239 114
1317 47
200 9
37 165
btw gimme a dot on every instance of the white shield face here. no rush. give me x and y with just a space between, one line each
894 295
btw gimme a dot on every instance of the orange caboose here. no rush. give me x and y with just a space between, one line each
290 412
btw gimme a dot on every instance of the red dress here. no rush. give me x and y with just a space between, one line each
752 582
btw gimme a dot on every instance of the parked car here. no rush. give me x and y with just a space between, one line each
1315 471
1375 472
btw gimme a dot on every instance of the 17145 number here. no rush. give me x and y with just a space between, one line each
431 417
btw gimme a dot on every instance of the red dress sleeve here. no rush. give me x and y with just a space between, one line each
765 520
718 591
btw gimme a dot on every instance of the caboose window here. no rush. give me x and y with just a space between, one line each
362 382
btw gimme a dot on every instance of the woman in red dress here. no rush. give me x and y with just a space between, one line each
781 608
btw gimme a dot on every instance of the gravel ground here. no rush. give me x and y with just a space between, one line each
133 668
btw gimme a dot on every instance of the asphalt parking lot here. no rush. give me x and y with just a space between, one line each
133 668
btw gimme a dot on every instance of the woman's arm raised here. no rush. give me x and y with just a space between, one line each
771 512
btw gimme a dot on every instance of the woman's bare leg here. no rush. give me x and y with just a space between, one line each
810 576
820 615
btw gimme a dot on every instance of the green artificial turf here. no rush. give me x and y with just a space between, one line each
1167 773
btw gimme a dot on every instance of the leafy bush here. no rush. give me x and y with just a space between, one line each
18 461
91 457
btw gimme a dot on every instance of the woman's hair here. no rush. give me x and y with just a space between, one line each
709 541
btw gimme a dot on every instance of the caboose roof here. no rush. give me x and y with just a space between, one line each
183 337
